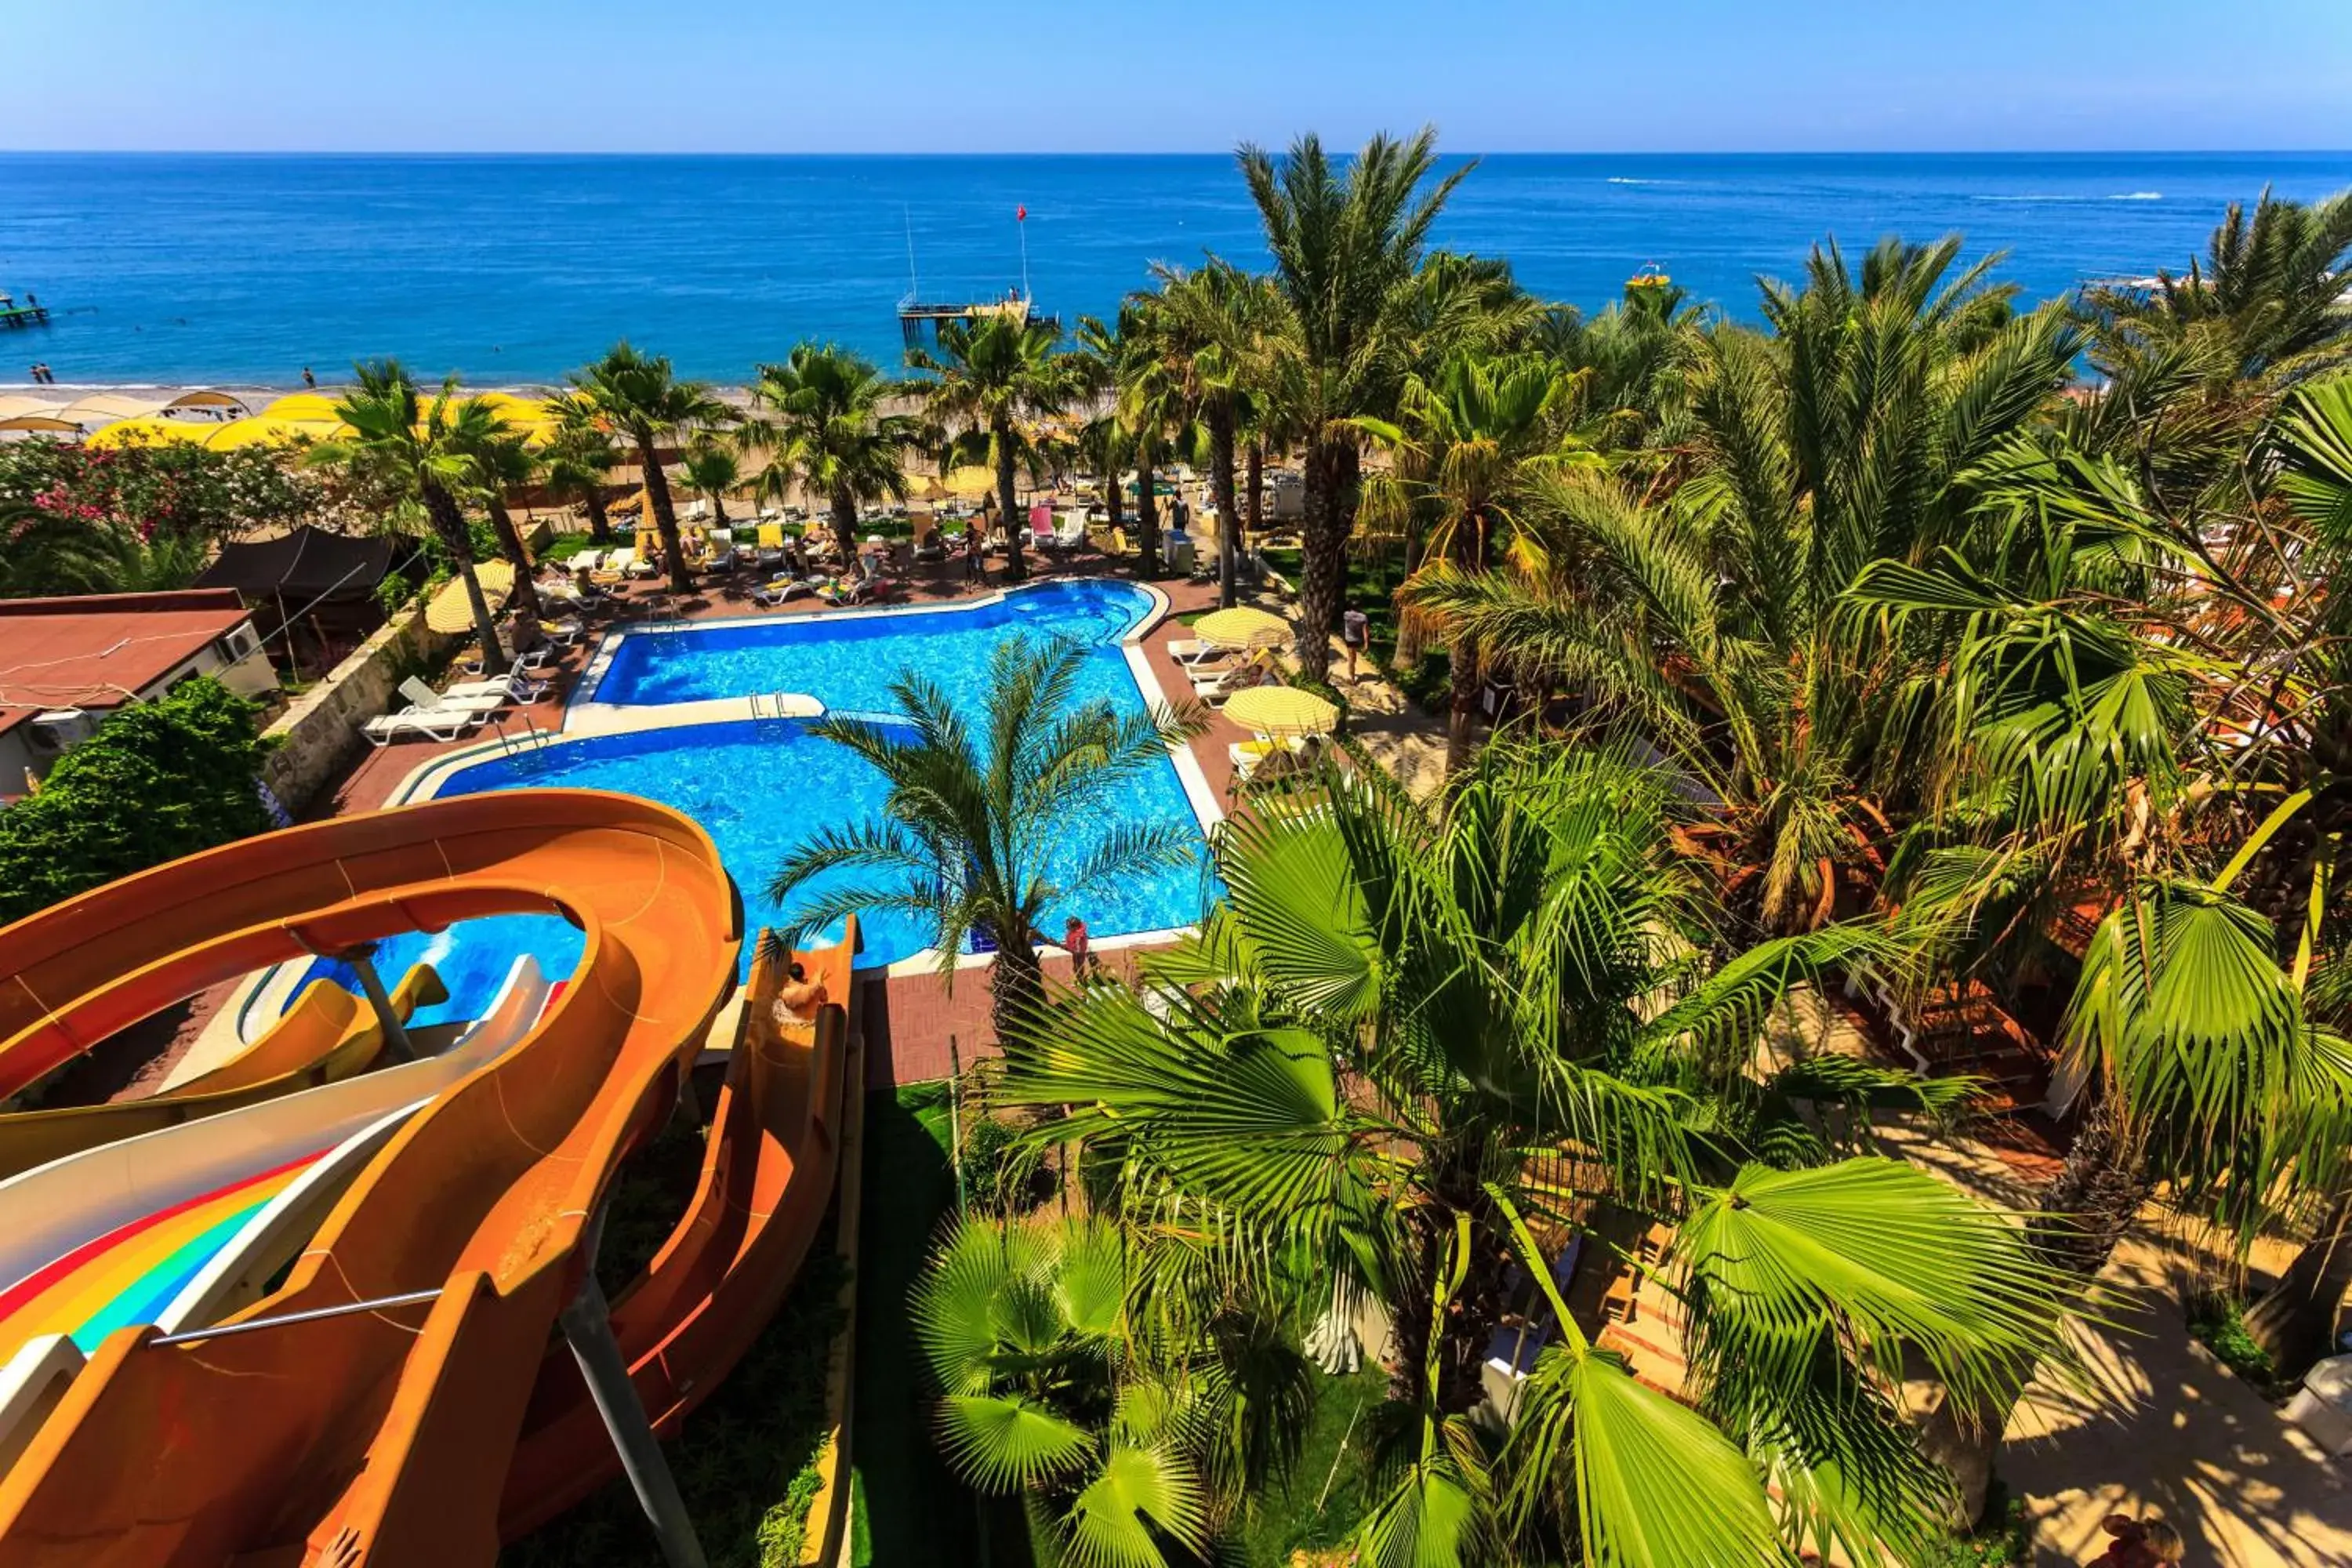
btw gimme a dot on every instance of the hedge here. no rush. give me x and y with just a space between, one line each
158 781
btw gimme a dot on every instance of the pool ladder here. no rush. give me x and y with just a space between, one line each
529 746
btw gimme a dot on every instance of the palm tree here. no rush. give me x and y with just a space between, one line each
1345 252
422 452
47 553
1051 1389
1710 615
821 420
989 380
1413 1059
712 469
643 400
1127 358
580 459
504 462
1470 441
980 834
1215 323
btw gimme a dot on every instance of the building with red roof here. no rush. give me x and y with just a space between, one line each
66 663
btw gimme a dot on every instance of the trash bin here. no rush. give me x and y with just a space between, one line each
2323 1405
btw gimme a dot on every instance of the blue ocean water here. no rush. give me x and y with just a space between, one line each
178 268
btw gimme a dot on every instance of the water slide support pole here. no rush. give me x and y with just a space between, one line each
395 1035
588 1329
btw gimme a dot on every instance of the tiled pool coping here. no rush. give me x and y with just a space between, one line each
583 718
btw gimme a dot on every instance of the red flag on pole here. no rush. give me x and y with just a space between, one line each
1021 213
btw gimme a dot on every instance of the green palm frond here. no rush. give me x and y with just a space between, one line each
1142 1500
1009 1443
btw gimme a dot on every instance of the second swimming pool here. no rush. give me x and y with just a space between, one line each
761 787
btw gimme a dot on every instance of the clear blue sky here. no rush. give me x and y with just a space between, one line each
1192 75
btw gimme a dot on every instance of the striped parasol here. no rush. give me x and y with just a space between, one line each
1242 627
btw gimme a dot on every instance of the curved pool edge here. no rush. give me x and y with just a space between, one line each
584 721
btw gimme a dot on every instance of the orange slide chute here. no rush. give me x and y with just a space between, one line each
394 1428
325 1036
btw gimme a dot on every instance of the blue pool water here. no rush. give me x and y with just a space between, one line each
848 663
760 787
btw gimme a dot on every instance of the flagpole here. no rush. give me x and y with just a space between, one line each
1020 222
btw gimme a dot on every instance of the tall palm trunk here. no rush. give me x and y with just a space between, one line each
1256 487
718 509
845 522
2295 1320
450 525
665 516
1462 716
1146 515
2083 1214
1016 566
1332 469
1114 500
600 522
1221 485
1016 987
525 596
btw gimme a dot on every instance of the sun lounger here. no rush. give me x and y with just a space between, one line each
515 686
466 697
845 593
1193 651
782 589
446 726
1269 759
1254 670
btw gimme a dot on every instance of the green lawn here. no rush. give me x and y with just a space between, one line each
1291 1518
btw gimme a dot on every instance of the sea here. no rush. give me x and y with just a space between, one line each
509 270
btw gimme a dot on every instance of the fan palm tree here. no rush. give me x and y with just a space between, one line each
981 832
988 382
504 462
1215 323
1469 442
580 459
1345 251
644 402
45 553
1413 1059
1051 1389
819 415
712 469
422 452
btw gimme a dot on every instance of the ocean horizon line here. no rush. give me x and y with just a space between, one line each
1450 156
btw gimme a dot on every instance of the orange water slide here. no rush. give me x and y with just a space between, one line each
392 1427
766 1182
324 1037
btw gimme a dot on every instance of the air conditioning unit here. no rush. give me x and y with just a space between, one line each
60 731
238 643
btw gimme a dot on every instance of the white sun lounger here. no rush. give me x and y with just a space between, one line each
443 726
515 686
1193 651
468 697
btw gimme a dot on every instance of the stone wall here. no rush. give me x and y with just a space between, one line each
321 732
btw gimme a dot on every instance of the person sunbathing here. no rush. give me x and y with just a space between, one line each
798 999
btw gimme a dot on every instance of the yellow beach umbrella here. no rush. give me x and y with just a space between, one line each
1281 710
1241 627
149 431
969 483
301 405
266 429
451 611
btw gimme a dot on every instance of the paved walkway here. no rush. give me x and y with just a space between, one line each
2154 1424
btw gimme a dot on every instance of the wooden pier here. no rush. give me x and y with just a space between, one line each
915 314
24 316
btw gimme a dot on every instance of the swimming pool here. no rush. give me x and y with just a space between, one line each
760 787
847 662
